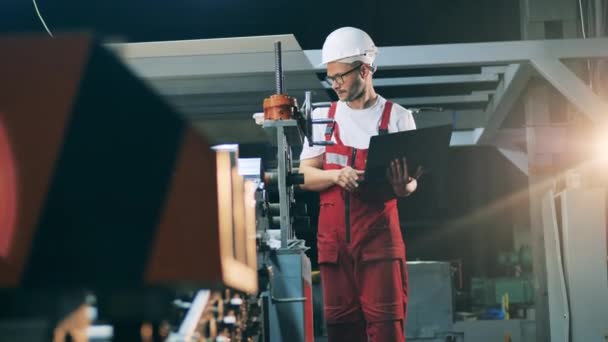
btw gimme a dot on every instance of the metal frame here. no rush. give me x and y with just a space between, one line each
481 54
525 59
508 90
438 100
189 324
431 80
576 263
230 69
510 64
220 83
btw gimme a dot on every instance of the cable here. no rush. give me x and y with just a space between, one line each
580 8
582 14
565 291
605 9
42 19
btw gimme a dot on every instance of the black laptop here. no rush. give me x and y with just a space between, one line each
426 147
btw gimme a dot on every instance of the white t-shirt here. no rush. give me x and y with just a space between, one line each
357 126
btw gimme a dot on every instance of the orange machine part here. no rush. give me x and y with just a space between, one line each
279 107
34 120
190 215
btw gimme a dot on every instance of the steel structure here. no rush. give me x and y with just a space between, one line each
475 87
218 82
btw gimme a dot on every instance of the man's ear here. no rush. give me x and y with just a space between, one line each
364 70
368 69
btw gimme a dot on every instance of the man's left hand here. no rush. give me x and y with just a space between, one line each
398 176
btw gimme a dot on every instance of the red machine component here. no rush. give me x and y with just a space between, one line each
103 185
8 195
280 107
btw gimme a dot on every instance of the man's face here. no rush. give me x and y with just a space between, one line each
346 80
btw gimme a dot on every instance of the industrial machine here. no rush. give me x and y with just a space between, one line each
288 300
120 221
283 309
114 210
574 223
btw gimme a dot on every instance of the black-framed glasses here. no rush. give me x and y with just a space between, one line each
339 78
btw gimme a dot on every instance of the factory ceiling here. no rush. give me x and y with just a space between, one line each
221 81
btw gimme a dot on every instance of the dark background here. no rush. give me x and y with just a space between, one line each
472 215
394 22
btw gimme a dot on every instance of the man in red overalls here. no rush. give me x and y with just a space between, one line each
361 250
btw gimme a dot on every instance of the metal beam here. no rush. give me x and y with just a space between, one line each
460 119
218 65
295 84
230 70
572 88
508 91
223 100
496 69
193 47
483 92
222 56
206 57
448 99
548 139
246 109
511 139
445 55
465 138
231 131
537 114
431 80
518 158
235 73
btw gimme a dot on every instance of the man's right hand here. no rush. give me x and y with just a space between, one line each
347 178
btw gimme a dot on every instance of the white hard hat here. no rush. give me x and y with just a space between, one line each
347 45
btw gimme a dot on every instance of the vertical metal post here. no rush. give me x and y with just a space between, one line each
278 68
535 15
308 99
537 114
599 18
284 191
534 19
307 111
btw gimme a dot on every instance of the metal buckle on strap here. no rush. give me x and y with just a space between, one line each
337 159
329 131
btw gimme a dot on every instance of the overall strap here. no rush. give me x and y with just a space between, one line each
386 115
329 130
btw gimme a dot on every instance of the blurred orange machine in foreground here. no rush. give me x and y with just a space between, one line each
104 187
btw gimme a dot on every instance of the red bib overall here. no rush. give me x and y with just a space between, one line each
361 253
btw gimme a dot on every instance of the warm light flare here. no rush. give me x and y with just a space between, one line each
601 147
